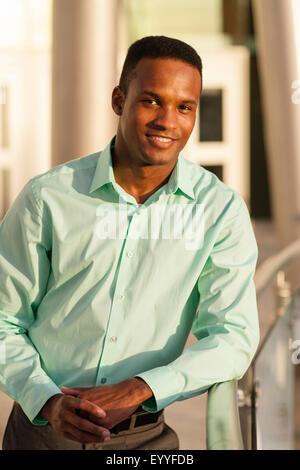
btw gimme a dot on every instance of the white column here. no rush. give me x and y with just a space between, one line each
84 74
277 56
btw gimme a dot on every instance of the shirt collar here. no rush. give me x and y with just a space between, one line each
104 171
180 177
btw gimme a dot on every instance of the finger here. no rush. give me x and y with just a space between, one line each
81 436
85 405
88 426
70 391
80 389
74 390
91 418
69 436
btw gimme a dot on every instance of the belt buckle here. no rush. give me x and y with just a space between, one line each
147 418
122 426
137 419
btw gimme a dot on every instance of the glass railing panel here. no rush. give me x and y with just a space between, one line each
275 383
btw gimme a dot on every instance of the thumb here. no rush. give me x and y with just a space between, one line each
70 391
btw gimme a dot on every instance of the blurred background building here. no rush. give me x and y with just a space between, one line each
60 59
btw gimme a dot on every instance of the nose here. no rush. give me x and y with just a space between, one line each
166 118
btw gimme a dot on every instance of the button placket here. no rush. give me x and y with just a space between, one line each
117 315
139 225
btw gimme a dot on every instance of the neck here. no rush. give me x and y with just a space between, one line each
141 181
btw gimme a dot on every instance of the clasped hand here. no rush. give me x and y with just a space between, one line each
118 401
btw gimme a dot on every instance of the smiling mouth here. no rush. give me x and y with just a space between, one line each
160 141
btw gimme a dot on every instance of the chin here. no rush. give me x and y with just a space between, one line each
158 158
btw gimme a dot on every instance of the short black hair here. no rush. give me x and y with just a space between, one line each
157 47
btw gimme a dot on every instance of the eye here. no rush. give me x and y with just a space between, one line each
184 107
150 101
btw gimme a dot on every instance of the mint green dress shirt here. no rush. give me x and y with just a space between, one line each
83 304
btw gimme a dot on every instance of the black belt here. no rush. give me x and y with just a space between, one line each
142 418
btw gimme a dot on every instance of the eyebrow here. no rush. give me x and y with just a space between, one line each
154 95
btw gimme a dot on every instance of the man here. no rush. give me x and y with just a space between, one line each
108 262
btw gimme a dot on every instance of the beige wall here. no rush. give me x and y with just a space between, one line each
84 74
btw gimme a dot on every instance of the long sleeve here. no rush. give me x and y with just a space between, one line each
226 322
24 270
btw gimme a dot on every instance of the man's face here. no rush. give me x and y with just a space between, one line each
158 113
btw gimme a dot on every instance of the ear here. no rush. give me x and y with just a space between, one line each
117 100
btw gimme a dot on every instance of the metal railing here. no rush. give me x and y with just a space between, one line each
231 406
223 430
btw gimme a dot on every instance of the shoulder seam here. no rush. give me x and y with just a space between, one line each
39 205
52 172
30 183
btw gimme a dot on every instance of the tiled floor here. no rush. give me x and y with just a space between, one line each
188 417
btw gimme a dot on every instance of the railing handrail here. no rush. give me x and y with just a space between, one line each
268 270
223 429
223 424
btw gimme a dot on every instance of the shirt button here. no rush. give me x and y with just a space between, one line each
129 254
121 296
103 381
113 339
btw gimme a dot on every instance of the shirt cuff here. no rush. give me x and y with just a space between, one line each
33 401
165 386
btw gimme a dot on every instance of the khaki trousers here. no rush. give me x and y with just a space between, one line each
21 434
